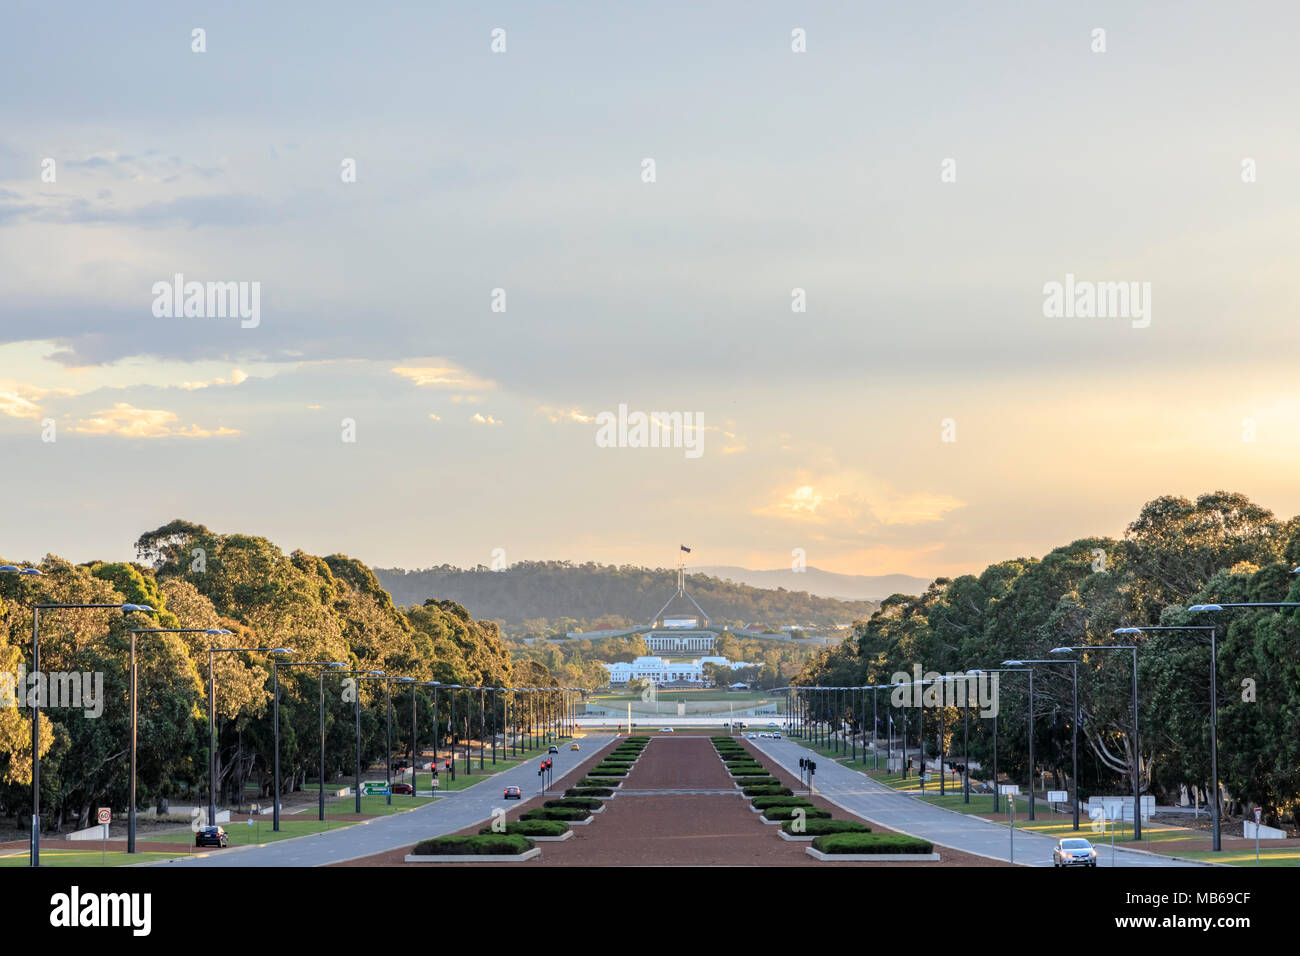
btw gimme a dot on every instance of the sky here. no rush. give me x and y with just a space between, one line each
827 233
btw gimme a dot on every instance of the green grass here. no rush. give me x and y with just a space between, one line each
1268 856
84 858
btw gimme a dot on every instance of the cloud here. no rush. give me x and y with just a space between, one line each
557 415
485 420
856 502
443 375
128 421
18 400
236 378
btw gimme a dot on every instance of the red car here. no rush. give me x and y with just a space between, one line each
512 793
404 788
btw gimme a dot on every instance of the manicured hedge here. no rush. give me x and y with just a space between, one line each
479 845
768 791
787 813
603 782
533 828
581 803
589 792
762 803
760 772
871 843
556 813
822 827
747 782
607 770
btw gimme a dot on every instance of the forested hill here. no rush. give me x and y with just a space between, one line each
590 595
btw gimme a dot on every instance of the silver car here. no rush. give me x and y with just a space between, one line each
1074 851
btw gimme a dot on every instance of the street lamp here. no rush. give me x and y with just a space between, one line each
1074 722
212 718
415 749
1214 688
388 756
356 723
130 813
36 702
996 792
275 683
1137 799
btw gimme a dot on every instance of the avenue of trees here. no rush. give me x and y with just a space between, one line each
325 608
1220 548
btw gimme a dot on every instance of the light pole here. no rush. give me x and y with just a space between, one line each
415 731
1214 689
1137 798
275 682
451 726
130 812
356 724
212 717
388 756
1074 722
997 803
35 699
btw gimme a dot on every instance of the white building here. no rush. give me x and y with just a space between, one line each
659 670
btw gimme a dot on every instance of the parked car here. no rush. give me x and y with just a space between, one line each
211 836
554 749
404 788
512 793
1074 851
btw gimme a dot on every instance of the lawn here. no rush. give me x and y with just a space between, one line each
84 858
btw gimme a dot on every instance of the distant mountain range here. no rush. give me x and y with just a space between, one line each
828 584
537 595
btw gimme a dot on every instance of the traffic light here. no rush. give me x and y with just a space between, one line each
803 763
812 766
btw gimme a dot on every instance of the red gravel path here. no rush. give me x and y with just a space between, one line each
679 829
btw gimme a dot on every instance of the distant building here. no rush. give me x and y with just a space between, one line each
659 670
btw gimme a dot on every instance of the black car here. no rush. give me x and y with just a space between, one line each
211 836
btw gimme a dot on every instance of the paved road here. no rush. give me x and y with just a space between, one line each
876 803
451 812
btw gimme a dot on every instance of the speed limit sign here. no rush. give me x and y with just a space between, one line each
103 815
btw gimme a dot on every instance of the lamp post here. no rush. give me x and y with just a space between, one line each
1214 690
1137 798
212 717
35 698
451 726
130 812
356 724
275 681
320 683
1074 723
415 732
997 803
388 756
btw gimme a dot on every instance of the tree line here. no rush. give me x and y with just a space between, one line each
1220 548
325 608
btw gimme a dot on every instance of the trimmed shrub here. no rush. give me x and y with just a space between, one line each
787 813
557 813
871 843
532 828
479 845
580 803
603 783
589 792
760 772
747 782
816 828
762 803
768 791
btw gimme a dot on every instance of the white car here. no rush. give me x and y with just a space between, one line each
773 723
665 730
